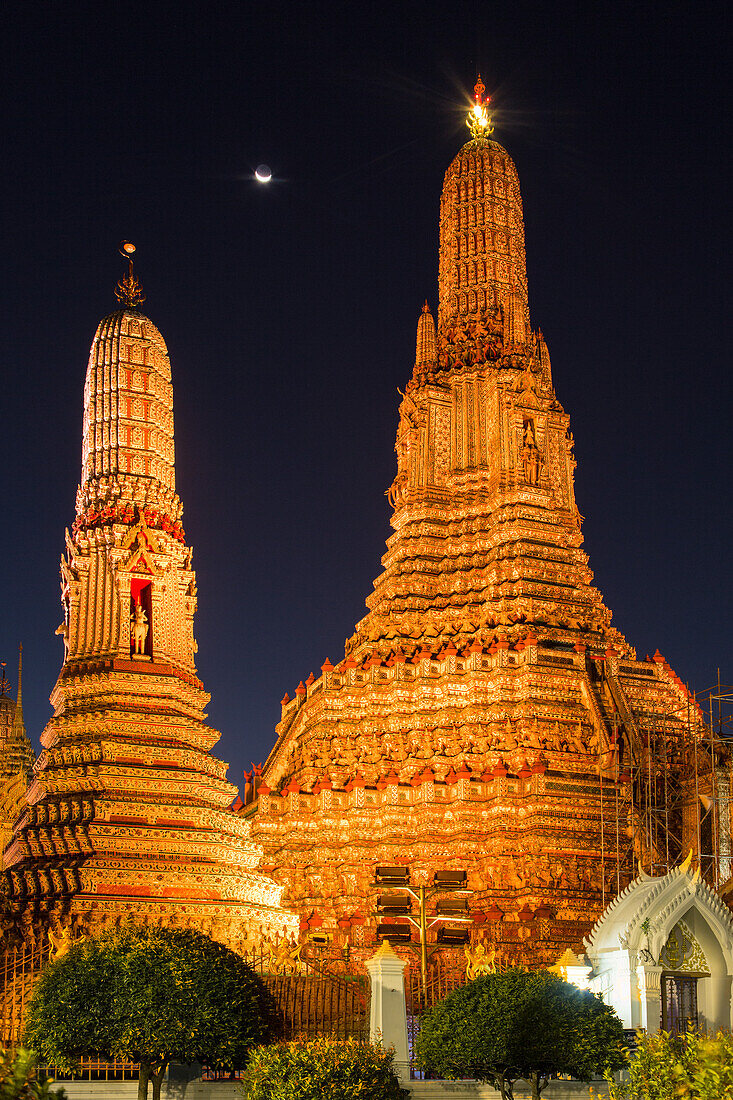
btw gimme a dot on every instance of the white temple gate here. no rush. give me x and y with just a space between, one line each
662 954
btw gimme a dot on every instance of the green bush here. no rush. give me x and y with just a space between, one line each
321 1068
20 1079
502 1028
685 1067
148 995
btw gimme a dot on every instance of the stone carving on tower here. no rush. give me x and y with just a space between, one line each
128 814
486 715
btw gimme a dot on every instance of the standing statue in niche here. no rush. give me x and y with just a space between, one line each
530 455
138 629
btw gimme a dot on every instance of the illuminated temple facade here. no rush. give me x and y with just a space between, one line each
486 715
128 814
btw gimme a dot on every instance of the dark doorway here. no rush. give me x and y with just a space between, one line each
679 1003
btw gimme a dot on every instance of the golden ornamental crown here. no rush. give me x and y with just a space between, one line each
479 119
128 291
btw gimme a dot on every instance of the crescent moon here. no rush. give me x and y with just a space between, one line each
263 173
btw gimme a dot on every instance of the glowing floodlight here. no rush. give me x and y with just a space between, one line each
573 970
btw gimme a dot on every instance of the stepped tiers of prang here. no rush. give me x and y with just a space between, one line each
486 716
129 814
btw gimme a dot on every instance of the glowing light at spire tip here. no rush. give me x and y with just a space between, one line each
479 120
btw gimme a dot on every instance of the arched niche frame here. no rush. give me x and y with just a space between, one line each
136 574
627 943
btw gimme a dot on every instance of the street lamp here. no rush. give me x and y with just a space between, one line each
393 904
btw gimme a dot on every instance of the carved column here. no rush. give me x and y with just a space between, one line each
123 604
722 778
649 980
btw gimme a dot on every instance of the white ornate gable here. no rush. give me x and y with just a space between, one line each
676 924
642 917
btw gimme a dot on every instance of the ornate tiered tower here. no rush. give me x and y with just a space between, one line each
486 715
128 816
16 754
16 751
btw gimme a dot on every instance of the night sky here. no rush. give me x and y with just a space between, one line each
290 310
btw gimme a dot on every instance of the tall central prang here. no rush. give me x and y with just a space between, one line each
487 532
128 815
486 716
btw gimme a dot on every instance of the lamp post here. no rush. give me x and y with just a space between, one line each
397 879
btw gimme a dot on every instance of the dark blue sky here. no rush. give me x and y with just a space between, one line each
290 311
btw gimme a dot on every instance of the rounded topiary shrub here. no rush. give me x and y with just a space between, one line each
322 1067
517 1025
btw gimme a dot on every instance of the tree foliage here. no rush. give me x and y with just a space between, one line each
670 1067
518 1025
21 1080
148 995
320 1068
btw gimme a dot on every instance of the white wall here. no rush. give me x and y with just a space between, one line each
231 1090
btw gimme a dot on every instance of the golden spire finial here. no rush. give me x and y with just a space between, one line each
129 291
19 695
479 119
425 348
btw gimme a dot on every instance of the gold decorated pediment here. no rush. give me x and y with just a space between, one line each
682 952
141 535
140 561
142 546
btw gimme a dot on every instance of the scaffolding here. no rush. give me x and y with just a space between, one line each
667 792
